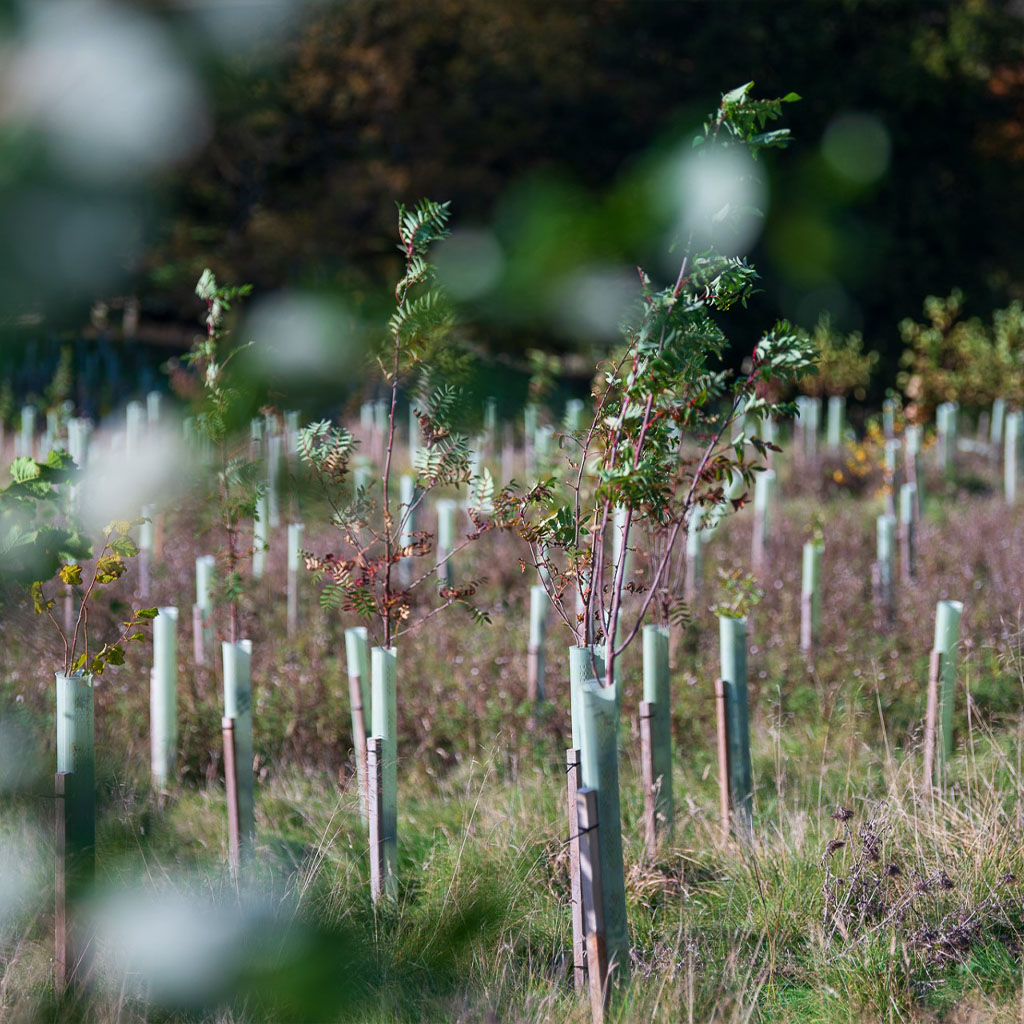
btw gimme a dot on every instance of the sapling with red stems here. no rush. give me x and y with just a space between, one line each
417 357
666 435
239 485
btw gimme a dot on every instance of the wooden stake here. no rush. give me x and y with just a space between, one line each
158 536
375 805
593 902
722 716
231 794
355 692
649 781
579 948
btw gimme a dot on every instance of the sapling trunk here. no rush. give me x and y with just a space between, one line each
732 634
385 729
163 704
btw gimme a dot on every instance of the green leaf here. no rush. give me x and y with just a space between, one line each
71 575
24 469
147 613
109 568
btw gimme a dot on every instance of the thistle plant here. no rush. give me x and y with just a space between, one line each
665 437
418 358
238 476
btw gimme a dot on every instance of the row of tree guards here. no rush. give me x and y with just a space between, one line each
600 939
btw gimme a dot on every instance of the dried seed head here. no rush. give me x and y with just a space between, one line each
893 871
842 814
833 845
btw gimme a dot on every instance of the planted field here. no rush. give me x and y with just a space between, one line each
591 594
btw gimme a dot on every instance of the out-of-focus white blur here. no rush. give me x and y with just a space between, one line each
106 88
856 146
595 301
300 336
119 479
715 196
27 871
469 263
174 946
20 761
234 24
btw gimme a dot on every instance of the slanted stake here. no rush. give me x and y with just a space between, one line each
579 947
591 884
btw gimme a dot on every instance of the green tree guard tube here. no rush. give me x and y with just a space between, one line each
76 752
538 631
260 536
385 728
206 566
163 701
995 428
1011 452
599 770
357 658
657 690
237 660
810 596
585 664
732 638
885 543
947 632
447 509
836 415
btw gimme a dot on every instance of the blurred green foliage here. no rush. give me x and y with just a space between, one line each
558 128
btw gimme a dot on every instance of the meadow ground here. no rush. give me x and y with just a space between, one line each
909 910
